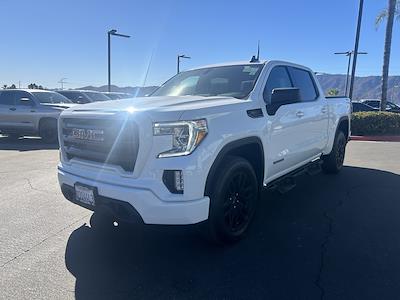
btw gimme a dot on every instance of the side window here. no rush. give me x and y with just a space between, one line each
278 78
19 95
7 98
302 79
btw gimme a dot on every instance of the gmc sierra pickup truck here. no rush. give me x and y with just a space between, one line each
202 146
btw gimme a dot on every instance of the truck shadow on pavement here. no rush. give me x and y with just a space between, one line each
331 237
25 144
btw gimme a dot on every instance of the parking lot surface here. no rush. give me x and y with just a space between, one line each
332 237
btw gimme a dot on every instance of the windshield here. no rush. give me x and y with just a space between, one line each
233 81
50 97
97 96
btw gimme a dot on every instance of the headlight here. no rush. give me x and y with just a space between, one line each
186 136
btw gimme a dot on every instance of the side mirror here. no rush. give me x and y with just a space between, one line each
283 96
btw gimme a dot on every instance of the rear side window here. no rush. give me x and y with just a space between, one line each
303 80
278 78
7 98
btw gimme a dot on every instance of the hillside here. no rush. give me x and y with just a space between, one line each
364 87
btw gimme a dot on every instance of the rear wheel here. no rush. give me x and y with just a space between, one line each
48 131
233 200
333 162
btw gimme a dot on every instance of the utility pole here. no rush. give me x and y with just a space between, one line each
62 82
349 55
353 71
109 34
179 62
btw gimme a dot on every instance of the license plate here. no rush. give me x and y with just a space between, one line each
84 194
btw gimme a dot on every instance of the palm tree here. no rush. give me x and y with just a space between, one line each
389 14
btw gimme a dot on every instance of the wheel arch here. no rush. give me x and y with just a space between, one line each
344 126
250 148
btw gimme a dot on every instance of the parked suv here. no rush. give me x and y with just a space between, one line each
31 112
202 146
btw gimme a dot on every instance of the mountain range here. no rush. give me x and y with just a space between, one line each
364 87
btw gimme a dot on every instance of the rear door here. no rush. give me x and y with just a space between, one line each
7 110
312 113
25 113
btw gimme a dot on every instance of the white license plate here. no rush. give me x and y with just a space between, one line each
84 194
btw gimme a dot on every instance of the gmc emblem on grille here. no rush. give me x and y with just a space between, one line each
96 135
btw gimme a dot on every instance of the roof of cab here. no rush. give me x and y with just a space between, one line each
235 63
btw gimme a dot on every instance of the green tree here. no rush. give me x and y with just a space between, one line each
12 86
388 14
333 92
4 86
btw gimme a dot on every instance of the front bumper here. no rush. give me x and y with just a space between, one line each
150 208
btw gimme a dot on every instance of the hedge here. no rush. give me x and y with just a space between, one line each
375 123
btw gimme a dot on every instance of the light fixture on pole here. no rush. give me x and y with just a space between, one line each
349 55
179 61
62 82
109 34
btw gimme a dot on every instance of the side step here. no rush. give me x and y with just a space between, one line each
288 181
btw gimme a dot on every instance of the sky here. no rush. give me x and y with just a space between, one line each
43 41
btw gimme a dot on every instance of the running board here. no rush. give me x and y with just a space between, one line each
287 182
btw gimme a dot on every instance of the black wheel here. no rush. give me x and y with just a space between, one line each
233 199
48 131
333 162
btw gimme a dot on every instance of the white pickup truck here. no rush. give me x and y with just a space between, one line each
202 146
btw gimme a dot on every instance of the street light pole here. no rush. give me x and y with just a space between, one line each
355 52
109 34
179 62
349 55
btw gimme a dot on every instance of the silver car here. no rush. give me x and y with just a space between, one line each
31 112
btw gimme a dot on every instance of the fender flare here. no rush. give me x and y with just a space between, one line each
229 147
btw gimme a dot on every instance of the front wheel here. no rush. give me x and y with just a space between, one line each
333 162
233 200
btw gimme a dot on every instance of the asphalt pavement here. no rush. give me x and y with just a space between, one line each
332 237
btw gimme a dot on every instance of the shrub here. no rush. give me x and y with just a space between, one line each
375 123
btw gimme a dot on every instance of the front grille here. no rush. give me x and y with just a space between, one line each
108 141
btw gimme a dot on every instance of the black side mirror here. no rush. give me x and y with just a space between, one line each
283 96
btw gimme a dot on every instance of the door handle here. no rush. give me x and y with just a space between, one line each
324 110
13 108
300 114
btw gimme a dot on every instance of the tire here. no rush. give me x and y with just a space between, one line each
233 201
48 131
333 162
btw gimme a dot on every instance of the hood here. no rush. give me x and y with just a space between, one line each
59 105
163 108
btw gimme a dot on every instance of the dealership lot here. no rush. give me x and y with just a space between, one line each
332 236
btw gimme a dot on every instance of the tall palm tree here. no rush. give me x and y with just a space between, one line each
389 14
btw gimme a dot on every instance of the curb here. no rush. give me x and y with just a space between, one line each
376 138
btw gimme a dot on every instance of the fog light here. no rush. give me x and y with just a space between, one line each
173 180
179 181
